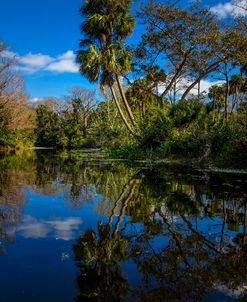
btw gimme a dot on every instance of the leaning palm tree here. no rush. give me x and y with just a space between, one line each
103 56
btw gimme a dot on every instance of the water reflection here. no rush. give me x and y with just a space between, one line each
182 244
160 234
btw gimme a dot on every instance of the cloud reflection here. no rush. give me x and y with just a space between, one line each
65 229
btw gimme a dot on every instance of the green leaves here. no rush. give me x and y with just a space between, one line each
103 54
90 62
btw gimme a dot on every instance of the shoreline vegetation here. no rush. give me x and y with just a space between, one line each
103 156
154 106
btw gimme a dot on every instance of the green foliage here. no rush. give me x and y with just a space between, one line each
155 127
60 131
107 127
48 127
185 112
103 53
133 151
17 138
182 144
190 130
230 142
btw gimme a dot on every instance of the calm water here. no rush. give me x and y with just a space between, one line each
72 230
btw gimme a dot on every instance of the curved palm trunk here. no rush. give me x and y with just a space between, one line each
125 204
126 104
120 198
236 99
133 133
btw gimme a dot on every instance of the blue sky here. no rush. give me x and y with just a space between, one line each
45 35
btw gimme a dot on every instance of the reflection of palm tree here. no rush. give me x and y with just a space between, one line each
101 278
98 256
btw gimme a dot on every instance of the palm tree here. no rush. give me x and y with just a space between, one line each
216 93
237 83
103 55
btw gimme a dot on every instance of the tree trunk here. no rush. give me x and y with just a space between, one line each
133 133
226 94
85 125
199 90
176 75
174 93
211 68
236 99
126 104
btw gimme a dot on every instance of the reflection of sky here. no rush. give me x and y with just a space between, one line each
56 214
40 261
57 228
39 264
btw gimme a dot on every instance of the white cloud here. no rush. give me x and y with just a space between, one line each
35 60
33 63
7 54
205 85
230 9
65 229
184 83
68 55
63 66
34 100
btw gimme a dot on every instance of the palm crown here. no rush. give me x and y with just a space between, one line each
103 53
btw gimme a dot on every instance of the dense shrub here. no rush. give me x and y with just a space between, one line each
229 142
17 138
155 128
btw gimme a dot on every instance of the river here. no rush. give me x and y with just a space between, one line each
73 229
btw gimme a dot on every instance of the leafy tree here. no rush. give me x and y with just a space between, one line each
184 37
82 102
17 117
48 128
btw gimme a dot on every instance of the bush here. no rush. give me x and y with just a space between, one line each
155 128
182 143
185 112
229 145
127 152
17 138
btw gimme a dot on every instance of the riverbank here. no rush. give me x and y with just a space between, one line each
125 155
111 156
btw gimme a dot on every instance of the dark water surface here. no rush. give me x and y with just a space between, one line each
73 230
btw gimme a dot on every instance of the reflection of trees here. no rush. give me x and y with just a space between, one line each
190 265
98 255
176 209
64 176
195 255
14 174
79 181
193 261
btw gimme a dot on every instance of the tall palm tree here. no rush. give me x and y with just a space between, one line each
237 83
103 55
216 93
